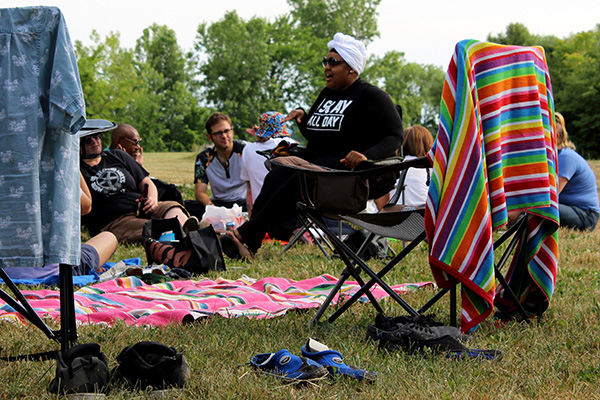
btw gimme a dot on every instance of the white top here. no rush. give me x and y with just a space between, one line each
253 164
415 186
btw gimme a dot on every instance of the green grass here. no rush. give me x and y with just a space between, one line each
557 357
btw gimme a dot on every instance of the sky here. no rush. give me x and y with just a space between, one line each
425 31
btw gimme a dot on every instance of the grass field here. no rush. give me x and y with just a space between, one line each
557 357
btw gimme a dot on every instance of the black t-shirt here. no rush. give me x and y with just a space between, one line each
113 184
361 118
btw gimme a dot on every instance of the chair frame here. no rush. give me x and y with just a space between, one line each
355 265
67 334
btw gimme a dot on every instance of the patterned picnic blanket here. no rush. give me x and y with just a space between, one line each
495 152
131 300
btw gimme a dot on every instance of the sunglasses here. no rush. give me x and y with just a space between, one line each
132 141
331 62
89 138
223 132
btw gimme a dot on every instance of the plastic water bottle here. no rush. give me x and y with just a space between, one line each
167 236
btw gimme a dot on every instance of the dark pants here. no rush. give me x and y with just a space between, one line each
275 203
275 206
577 218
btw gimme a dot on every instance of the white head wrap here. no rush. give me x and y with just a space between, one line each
353 51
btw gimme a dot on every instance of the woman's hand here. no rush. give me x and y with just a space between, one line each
352 159
296 115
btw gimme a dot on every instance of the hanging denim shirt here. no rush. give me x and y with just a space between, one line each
41 109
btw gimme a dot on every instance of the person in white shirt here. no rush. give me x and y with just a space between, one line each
417 142
270 133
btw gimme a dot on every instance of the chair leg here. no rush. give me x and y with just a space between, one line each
521 235
305 228
376 279
294 239
22 306
453 321
68 330
345 275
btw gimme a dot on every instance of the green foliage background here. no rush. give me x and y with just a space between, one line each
246 67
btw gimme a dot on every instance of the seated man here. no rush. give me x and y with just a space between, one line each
125 137
124 197
220 166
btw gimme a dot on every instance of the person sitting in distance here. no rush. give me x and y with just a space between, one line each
220 166
124 197
577 188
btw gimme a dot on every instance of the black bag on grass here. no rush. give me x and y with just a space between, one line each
152 364
199 252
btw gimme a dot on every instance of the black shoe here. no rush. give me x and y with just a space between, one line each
417 338
439 330
81 369
152 364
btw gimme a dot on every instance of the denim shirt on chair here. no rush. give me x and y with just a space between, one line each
41 109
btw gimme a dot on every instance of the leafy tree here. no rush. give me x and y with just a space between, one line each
240 75
316 21
253 66
576 85
174 120
108 77
150 88
516 34
417 88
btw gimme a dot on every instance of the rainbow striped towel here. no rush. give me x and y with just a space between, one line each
495 152
136 303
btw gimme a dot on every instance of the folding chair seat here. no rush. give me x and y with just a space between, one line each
345 201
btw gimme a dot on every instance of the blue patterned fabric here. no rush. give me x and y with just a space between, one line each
41 109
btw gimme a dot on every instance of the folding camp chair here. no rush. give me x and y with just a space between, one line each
67 334
318 183
394 221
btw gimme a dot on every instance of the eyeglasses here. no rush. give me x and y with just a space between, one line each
132 141
223 132
331 62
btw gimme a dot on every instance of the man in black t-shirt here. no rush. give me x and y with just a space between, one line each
123 196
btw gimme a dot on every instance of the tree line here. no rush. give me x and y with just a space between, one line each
246 67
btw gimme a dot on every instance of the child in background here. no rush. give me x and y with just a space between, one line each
417 142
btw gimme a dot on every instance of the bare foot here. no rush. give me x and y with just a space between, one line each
244 251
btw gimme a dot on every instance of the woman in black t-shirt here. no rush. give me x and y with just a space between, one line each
350 122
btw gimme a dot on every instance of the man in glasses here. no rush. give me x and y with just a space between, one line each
220 166
125 137
123 195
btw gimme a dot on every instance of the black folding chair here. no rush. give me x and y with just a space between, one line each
401 222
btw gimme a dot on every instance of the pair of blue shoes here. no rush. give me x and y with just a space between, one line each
316 362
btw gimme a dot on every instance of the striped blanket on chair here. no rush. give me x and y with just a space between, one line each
495 152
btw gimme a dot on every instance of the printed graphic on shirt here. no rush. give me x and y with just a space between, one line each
329 115
108 181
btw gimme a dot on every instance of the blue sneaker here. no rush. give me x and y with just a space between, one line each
288 366
334 361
